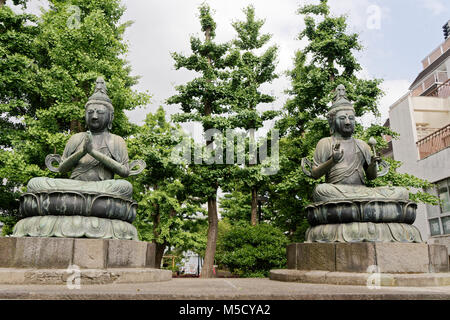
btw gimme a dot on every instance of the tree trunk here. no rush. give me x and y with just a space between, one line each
331 66
213 225
2 3
252 162
159 247
159 253
254 211
213 220
75 125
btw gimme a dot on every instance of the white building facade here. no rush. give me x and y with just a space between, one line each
422 118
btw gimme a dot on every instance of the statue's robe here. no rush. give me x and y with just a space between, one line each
89 175
346 179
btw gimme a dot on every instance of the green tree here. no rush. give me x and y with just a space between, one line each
236 206
166 211
326 61
49 69
18 78
206 99
252 70
15 2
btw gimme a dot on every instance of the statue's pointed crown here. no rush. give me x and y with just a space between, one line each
341 101
100 94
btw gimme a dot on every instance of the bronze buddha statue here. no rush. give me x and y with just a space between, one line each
91 203
344 208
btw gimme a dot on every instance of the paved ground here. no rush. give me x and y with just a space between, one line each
223 289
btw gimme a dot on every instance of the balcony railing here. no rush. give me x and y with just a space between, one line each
430 83
423 132
436 53
434 142
441 91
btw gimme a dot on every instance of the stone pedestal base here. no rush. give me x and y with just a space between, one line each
392 264
60 256
443 240
368 257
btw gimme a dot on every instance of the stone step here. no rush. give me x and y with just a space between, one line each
371 280
73 277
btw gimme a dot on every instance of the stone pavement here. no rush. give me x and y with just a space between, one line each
220 289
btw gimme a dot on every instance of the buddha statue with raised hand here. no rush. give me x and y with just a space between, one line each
344 208
91 203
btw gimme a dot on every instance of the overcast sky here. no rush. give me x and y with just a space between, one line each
396 35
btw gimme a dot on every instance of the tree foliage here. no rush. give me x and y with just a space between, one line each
327 60
252 70
166 212
252 251
236 206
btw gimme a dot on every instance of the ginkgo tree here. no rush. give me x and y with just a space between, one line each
205 99
251 72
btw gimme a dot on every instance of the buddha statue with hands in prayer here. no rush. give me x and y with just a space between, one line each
91 203
93 156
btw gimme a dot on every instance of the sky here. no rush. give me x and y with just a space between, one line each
396 36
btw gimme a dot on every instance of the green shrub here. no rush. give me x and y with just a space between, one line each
252 251
8 224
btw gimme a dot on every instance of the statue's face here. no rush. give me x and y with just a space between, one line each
345 122
341 90
97 117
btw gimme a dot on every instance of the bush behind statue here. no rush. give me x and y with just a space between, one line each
252 251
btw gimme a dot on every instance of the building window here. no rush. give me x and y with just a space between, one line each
444 195
446 225
443 216
435 228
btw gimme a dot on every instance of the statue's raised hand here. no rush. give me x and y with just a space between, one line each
89 142
376 159
338 153
84 145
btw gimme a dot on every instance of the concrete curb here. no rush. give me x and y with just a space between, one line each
220 289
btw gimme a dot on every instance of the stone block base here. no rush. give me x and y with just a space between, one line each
368 257
60 253
443 239
371 280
